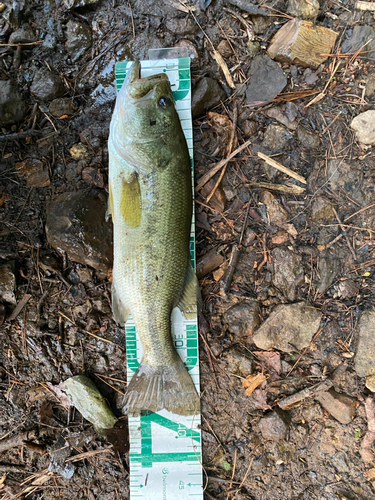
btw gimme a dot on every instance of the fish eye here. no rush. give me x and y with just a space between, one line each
163 102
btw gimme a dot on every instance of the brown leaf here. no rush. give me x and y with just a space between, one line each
270 360
252 382
259 400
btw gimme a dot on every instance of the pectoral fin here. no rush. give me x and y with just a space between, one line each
190 302
120 312
131 202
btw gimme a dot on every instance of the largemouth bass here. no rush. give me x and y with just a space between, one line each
150 200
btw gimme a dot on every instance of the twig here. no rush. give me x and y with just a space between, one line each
322 94
233 472
230 147
346 236
230 223
289 189
366 445
332 122
28 44
208 175
17 440
281 167
304 351
372 204
19 135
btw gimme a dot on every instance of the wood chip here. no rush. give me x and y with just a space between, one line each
282 188
21 304
281 167
224 68
365 5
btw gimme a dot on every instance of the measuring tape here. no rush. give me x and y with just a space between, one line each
165 449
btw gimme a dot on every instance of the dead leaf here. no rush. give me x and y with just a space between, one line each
270 360
2 480
252 382
222 126
259 400
3 199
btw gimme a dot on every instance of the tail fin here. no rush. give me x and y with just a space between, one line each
163 387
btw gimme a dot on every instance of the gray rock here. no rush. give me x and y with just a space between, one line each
365 355
50 41
274 425
76 225
8 283
303 9
181 26
289 328
86 397
329 267
249 128
206 95
12 107
347 177
22 35
79 39
284 115
360 36
267 80
47 86
287 271
339 406
346 289
321 210
276 137
61 106
307 139
364 126
59 453
243 318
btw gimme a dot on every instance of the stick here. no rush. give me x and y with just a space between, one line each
17 440
346 236
208 175
20 135
281 167
290 189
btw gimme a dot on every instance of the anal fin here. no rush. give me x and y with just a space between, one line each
190 302
120 312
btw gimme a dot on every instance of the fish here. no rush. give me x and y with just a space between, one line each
150 202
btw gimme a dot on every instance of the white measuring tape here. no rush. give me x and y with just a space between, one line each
165 449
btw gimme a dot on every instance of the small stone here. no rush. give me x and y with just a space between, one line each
321 210
79 39
361 36
86 397
8 283
79 151
225 49
47 86
364 126
181 26
278 114
243 318
62 106
307 139
276 137
93 176
267 80
252 48
287 272
12 107
276 213
238 362
50 41
22 35
274 425
339 406
365 354
59 453
303 9
370 382
206 95
289 328
346 289
370 86
249 128
35 172
192 50
329 267
300 42
76 225
347 177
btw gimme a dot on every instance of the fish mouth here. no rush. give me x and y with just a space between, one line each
139 88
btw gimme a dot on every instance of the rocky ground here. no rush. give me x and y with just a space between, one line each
285 257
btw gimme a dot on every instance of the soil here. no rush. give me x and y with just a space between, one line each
314 248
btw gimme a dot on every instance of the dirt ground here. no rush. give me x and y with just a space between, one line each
305 253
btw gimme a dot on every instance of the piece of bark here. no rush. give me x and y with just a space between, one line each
300 42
